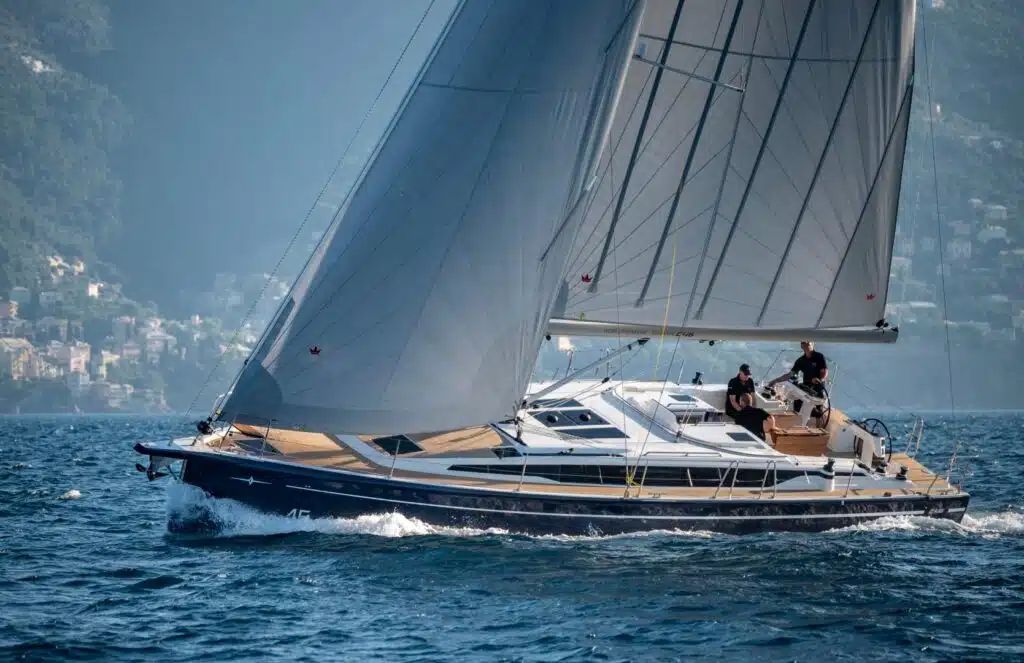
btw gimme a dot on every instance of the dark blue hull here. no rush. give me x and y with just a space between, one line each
302 491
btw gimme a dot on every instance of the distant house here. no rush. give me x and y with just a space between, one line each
961 228
992 233
21 295
74 357
16 358
78 383
50 328
50 298
996 213
8 309
131 351
93 289
959 249
123 328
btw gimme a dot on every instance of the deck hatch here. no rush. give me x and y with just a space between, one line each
396 445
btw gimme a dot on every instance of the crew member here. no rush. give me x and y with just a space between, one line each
754 419
811 364
743 383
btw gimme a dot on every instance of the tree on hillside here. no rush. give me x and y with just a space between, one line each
57 190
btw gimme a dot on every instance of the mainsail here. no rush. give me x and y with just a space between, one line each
424 307
752 177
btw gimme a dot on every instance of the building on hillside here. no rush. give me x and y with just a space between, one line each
49 299
50 328
996 213
8 309
20 294
74 357
78 383
17 358
93 289
14 327
131 351
123 329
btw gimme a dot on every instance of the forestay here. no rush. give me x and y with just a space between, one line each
425 306
770 204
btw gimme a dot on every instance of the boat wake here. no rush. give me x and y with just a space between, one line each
986 525
191 511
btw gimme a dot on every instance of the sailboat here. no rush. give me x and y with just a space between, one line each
691 170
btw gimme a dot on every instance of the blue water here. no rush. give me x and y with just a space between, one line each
89 572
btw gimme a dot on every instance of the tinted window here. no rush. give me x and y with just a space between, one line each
397 445
594 433
742 437
555 402
565 418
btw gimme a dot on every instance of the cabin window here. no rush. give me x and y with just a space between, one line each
397 445
742 437
506 452
655 476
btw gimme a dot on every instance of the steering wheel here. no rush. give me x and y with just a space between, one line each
878 428
826 408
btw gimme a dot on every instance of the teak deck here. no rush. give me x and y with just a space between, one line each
320 450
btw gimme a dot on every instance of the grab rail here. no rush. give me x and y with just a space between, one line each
732 464
774 466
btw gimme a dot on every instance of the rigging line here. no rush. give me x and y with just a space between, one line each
309 214
938 214
668 304
316 284
663 58
825 151
355 272
650 418
772 365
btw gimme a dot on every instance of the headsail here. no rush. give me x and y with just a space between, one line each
768 204
424 307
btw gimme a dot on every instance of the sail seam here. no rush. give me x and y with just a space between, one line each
907 95
826 149
663 58
757 160
596 225
759 56
690 156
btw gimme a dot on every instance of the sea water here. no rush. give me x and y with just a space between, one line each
88 571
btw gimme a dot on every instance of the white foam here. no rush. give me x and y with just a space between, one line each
236 519
990 525
72 494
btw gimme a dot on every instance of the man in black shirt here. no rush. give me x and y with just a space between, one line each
811 364
743 383
754 419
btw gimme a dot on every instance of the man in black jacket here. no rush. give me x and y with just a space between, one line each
743 383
